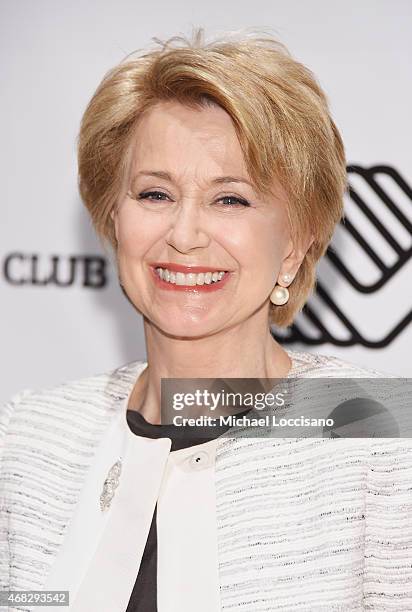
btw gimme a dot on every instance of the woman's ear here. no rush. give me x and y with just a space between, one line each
296 254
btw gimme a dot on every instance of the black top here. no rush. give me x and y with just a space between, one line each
144 593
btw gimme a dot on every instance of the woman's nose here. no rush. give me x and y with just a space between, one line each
187 228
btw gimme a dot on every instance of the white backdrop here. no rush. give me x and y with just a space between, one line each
54 54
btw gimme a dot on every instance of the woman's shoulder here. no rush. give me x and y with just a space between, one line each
311 364
80 398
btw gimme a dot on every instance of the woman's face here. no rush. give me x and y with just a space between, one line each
184 212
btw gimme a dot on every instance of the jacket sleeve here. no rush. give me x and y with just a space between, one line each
7 411
388 526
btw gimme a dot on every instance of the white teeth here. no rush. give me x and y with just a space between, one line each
191 279
180 278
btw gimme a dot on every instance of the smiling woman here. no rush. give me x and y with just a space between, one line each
216 174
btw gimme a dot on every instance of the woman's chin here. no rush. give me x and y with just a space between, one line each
188 324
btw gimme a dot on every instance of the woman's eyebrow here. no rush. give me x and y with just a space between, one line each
217 180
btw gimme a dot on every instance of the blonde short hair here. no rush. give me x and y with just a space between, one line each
278 109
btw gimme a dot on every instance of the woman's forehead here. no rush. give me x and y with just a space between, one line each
176 133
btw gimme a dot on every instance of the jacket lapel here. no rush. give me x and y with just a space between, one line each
88 522
99 557
108 581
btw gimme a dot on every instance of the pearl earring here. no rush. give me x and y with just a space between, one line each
280 295
287 278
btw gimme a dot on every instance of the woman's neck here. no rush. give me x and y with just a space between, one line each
232 353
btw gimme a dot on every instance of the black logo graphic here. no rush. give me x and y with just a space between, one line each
383 205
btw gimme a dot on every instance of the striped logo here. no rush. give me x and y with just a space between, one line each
363 292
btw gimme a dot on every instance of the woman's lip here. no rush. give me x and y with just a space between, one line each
162 284
186 269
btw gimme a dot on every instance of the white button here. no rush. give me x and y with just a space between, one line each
199 460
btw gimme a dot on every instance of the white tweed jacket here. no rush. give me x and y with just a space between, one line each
303 524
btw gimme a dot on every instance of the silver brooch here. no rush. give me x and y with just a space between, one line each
110 485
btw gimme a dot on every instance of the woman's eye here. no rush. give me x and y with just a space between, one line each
237 201
146 195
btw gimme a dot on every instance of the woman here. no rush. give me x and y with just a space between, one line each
216 173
